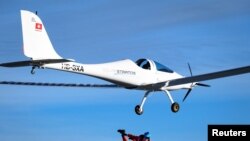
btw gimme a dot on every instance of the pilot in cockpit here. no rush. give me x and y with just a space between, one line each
146 66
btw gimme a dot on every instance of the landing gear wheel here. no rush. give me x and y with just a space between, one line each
175 107
138 110
33 70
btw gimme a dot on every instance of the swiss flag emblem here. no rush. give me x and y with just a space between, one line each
39 26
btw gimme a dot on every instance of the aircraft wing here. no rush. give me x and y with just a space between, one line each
59 84
209 76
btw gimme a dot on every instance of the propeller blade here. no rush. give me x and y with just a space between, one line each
189 90
204 85
190 70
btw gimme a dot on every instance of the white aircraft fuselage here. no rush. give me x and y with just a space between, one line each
124 73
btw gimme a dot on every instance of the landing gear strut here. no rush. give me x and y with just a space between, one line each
175 107
139 108
33 70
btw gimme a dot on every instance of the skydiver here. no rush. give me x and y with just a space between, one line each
142 137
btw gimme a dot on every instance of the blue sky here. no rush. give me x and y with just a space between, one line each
211 35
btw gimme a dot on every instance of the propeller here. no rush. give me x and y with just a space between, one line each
199 84
190 70
203 85
189 90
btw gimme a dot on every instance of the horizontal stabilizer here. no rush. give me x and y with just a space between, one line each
34 62
59 84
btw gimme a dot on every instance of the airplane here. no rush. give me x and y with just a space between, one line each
144 74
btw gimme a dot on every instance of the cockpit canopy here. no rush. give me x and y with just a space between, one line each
144 63
152 65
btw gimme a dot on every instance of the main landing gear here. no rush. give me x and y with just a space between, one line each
174 106
139 108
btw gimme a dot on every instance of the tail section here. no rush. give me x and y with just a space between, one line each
36 43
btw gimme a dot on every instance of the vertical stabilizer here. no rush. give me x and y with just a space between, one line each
36 43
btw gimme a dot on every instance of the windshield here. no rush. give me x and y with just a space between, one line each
163 68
